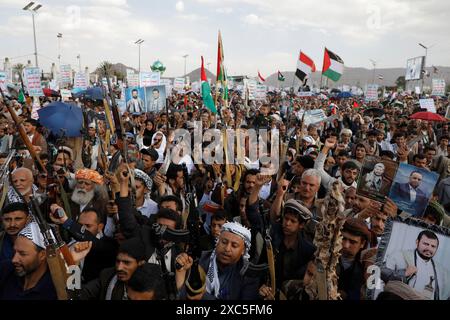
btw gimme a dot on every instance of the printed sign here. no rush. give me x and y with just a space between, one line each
33 81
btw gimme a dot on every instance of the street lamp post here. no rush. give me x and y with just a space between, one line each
139 42
33 9
374 63
185 57
59 36
79 61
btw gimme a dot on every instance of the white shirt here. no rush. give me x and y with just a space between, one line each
424 272
148 208
167 259
412 193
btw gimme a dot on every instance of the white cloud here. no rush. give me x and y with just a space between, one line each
252 19
179 6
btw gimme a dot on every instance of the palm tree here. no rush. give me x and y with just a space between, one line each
105 68
18 68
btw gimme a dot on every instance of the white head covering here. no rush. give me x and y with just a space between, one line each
162 147
212 276
33 233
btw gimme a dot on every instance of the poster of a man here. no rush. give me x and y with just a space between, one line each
412 189
134 98
417 256
156 98
376 178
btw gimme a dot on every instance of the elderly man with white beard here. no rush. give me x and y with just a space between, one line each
24 189
88 192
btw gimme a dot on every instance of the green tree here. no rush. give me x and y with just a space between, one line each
401 82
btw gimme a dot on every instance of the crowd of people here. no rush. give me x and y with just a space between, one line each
143 227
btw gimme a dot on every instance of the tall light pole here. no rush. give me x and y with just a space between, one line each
59 36
79 61
33 9
374 63
425 61
139 42
185 57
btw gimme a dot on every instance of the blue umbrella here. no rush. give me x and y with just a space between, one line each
94 93
62 119
345 94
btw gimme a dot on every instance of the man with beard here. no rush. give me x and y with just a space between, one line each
112 282
27 276
226 267
418 269
22 180
375 181
14 218
88 193
350 169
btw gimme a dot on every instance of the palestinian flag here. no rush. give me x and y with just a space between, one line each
221 71
305 66
206 91
260 77
333 66
280 76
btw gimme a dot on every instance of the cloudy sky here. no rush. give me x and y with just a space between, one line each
257 34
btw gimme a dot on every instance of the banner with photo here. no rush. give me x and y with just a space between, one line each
155 98
413 257
33 81
135 100
414 68
412 189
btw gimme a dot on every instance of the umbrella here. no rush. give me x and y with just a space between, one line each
95 93
377 112
429 116
50 93
62 119
344 95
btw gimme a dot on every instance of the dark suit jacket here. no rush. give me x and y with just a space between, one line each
97 289
102 255
401 192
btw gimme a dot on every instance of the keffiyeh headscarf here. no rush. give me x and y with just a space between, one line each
33 233
88 174
141 175
212 277
13 196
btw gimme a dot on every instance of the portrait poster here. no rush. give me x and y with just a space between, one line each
376 178
155 98
135 100
417 254
413 188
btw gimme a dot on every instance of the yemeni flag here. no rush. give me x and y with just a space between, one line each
206 91
221 71
280 76
333 66
260 77
305 66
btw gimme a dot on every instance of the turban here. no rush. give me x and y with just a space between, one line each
243 232
33 233
88 174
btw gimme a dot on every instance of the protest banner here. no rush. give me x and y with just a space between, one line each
428 104
371 92
178 84
81 81
65 76
33 81
148 79
438 87
66 94
261 92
